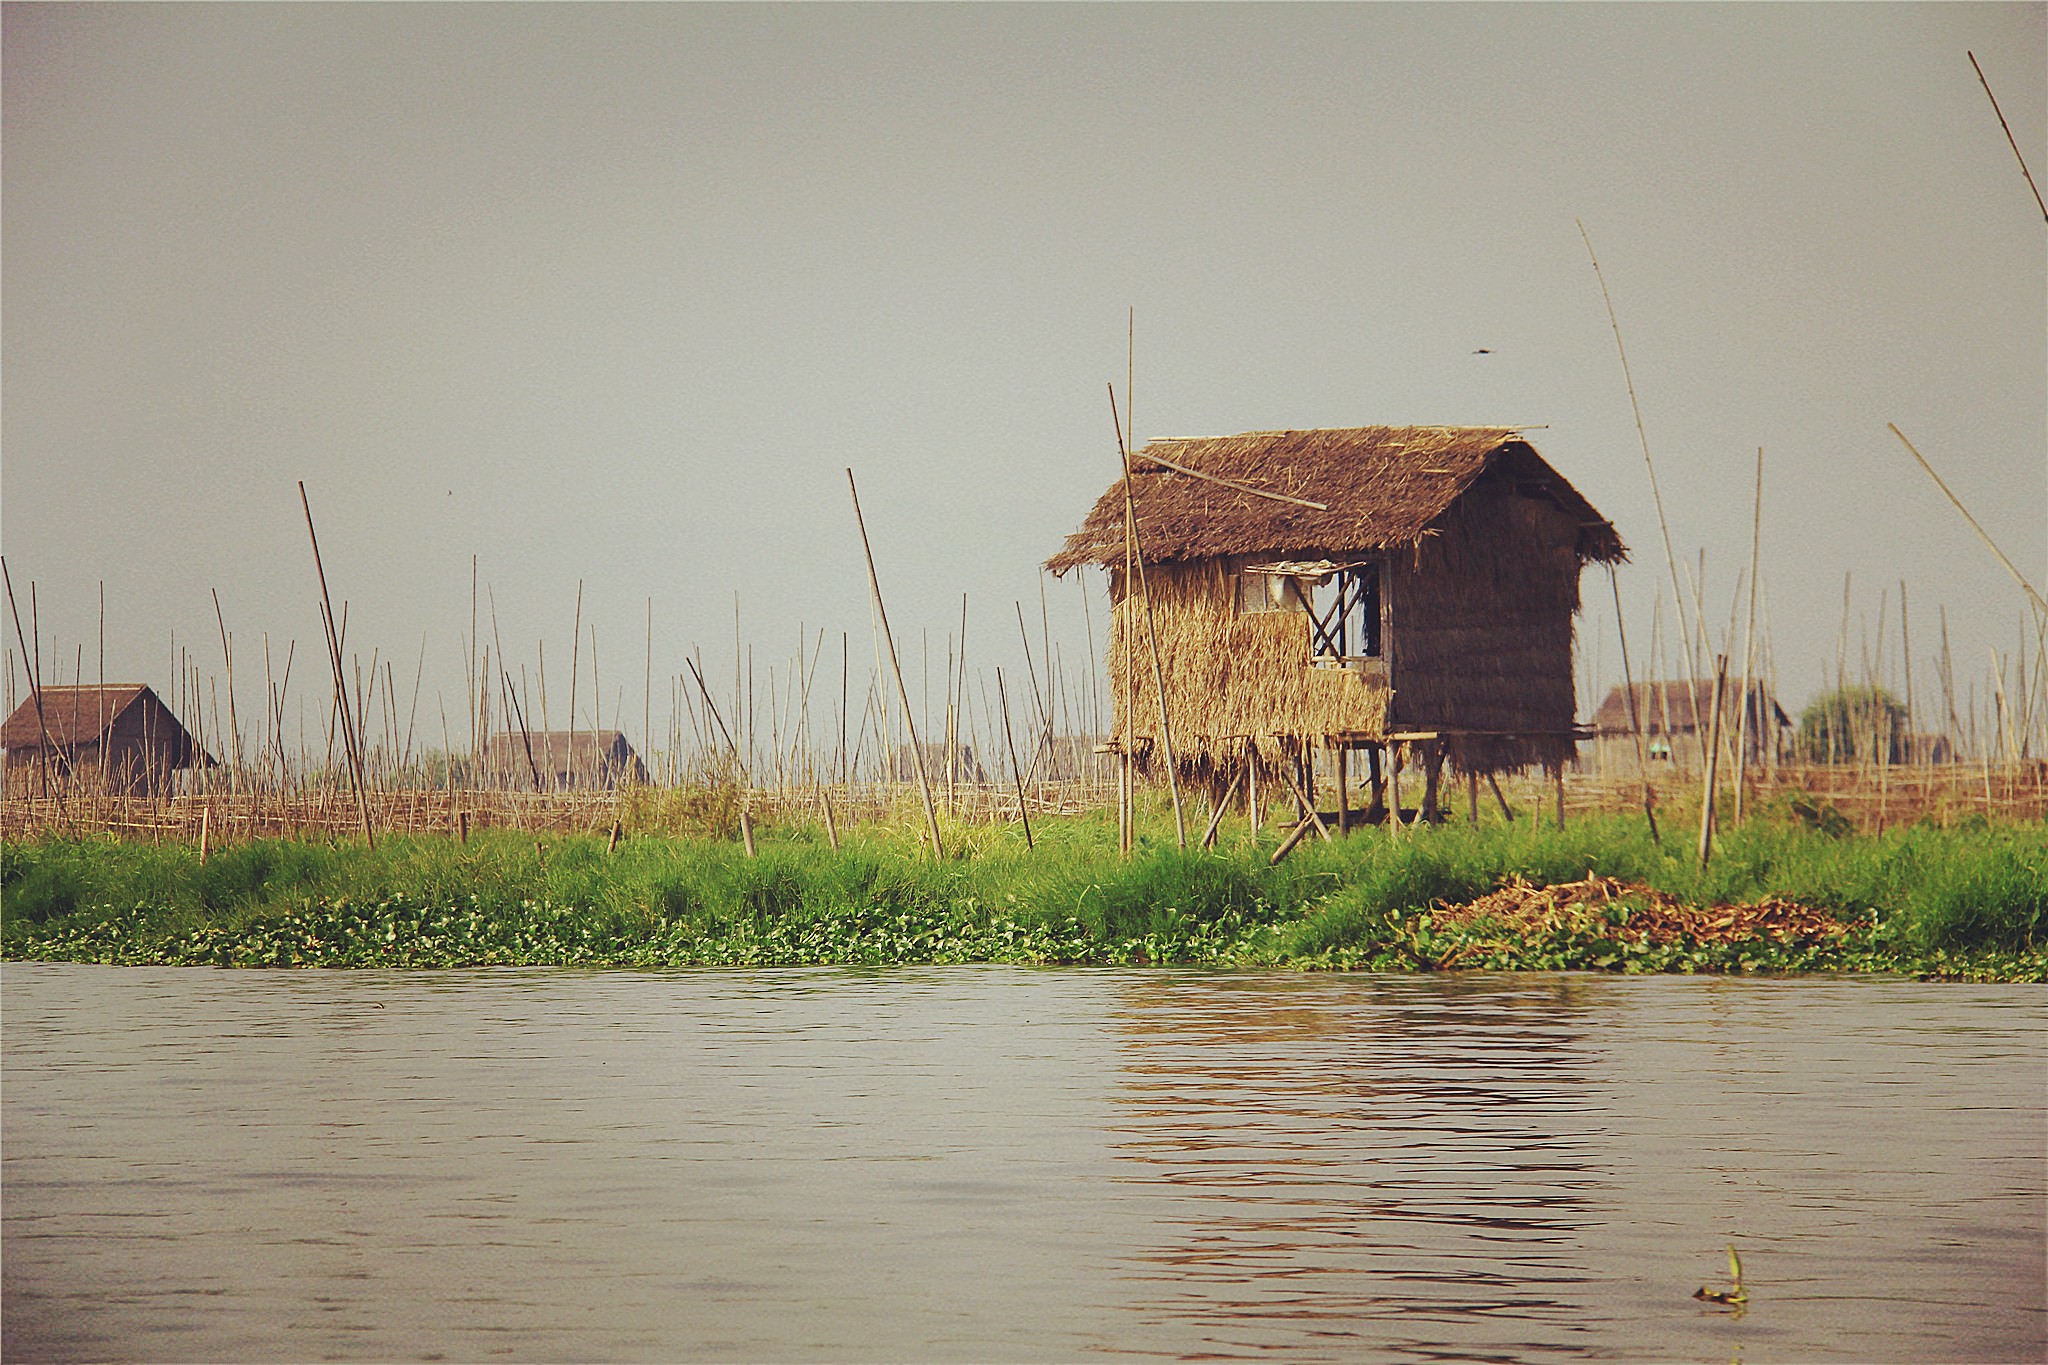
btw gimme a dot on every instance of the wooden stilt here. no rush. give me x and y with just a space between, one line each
1557 776
1222 805
1507 811
1287 845
1376 808
1432 772
1472 797
1308 808
1343 791
1251 785
1394 786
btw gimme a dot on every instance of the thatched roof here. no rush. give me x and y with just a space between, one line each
72 715
1380 487
78 716
580 754
1667 707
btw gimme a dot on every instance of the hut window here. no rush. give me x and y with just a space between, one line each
1259 591
1347 615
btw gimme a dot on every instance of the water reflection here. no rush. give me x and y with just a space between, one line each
998 1164
1364 1162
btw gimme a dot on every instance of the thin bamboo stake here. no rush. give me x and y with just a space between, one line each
1635 722
1656 495
1180 823
33 664
924 781
1016 772
2009 137
1756 534
1713 764
340 680
2040 604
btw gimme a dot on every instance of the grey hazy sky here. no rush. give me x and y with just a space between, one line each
616 293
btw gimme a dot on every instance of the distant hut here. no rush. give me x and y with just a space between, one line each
118 739
1426 600
561 760
1675 733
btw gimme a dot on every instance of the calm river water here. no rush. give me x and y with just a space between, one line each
1006 1164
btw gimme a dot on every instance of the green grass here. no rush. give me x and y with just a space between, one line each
1926 901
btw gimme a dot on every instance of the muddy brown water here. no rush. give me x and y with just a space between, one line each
1010 1164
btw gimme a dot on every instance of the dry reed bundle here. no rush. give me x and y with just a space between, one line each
1231 679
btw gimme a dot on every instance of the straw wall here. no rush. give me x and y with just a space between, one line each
1228 677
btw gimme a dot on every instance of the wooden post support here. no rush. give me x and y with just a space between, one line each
831 825
1222 805
747 831
1557 777
1343 791
1713 763
1308 808
1251 785
1472 797
1507 811
1395 761
205 829
462 825
1287 844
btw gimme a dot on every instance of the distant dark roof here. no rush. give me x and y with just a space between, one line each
1379 486
1667 707
557 750
77 716
71 715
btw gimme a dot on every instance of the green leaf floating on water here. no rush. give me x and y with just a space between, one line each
1735 1296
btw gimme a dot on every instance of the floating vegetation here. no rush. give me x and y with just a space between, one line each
1926 902
1735 1296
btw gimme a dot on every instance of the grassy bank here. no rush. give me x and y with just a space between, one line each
1964 902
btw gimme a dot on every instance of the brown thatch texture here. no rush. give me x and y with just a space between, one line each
1481 630
1229 678
1382 486
1667 708
566 759
120 737
72 715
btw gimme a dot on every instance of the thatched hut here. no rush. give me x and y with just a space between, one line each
561 760
1676 718
1360 588
118 739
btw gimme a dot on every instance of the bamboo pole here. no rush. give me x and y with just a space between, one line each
32 663
1016 772
1180 823
2009 137
1656 495
924 781
2040 604
1635 721
1756 532
340 679
1706 850
1222 805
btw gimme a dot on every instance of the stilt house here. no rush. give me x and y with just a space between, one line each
118 739
1376 588
1672 728
560 760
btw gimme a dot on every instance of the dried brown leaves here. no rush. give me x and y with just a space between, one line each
1646 912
